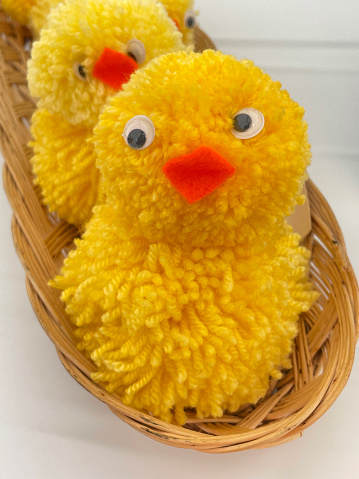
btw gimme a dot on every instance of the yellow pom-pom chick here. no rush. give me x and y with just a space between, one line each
185 17
187 285
89 50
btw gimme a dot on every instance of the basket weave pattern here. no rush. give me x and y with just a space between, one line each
323 352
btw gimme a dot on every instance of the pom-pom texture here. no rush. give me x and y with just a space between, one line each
192 306
64 164
39 15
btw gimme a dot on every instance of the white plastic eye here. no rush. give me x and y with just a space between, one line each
136 50
80 71
139 132
190 19
247 123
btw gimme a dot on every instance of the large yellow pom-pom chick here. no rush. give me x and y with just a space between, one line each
187 285
89 50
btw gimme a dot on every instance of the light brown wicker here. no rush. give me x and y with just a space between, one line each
324 350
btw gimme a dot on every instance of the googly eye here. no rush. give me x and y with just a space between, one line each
190 19
139 132
80 71
136 50
247 123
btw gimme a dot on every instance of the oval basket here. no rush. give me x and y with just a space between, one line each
323 352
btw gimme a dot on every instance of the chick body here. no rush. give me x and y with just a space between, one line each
192 305
77 35
171 327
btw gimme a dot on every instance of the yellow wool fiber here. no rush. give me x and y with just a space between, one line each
79 31
192 306
39 15
69 180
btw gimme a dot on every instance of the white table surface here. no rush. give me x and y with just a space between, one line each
50 427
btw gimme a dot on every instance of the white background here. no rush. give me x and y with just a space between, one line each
52 428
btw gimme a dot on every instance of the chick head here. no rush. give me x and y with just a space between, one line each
202 149
182 13
90 49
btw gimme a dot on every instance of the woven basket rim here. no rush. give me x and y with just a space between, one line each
324 350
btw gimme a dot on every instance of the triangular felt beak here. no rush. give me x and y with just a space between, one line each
114 68
198 174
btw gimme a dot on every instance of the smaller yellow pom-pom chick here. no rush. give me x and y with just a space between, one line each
187 285
89 50
185 17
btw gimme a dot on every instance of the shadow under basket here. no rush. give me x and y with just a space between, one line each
324 349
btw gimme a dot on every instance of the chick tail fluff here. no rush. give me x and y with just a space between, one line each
64 164
32 13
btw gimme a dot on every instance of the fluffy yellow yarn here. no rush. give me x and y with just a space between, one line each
39 14
79 31
68 179
192 306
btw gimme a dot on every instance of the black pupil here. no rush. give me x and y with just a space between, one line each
136 139
131 55
242 122
191 22
82 71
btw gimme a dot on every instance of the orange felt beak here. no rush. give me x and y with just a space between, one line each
177 24
114 68
199 173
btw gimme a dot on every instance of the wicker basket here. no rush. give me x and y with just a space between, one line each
324 350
